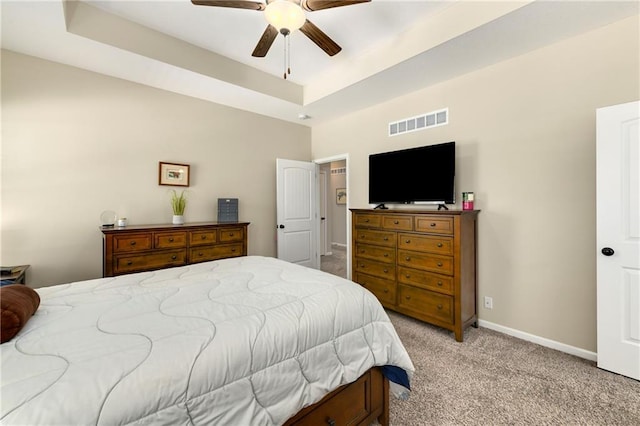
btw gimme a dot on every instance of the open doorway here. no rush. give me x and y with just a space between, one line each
334 216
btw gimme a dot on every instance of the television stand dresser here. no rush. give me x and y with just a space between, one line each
419 263
149 247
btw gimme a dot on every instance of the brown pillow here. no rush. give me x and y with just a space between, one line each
19 303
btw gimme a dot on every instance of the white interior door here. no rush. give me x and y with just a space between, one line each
618 238
297 212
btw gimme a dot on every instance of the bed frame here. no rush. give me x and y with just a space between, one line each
358 403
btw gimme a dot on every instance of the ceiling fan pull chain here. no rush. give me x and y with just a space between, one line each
289 54
285 56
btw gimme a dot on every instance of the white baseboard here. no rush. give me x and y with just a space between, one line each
339 245
572 350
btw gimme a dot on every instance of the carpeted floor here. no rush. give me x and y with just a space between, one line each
495 379
336 262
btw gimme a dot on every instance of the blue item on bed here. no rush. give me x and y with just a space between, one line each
397 376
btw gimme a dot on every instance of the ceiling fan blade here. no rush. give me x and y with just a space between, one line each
236 4
323 41
312 5
265 42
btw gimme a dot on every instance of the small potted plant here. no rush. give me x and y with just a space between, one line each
178 203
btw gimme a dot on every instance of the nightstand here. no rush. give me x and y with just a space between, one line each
16 277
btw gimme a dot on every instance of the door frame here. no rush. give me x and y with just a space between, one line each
322 206
344 157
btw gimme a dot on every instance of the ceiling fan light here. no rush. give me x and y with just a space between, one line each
284 14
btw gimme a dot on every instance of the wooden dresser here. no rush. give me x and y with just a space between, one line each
419 263
148 247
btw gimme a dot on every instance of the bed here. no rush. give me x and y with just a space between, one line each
241 341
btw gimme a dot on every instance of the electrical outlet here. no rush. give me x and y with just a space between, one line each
488 302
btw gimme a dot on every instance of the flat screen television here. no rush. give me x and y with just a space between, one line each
422 175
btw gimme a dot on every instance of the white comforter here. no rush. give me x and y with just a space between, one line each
243 341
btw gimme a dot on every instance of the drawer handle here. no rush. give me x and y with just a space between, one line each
439 283
199 254
133 243
170 240
432 224
204 237
386 238
362 266
439 244
408 241
362 251
366 221
395 222
129 263
439 264
331 422
385 271
408 259
439 306
386 290
408 297
408 276
362 237
233 250
174 257
386 255
231 234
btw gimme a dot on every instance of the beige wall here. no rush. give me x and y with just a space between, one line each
525 134
75 143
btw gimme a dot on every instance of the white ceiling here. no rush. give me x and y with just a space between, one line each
234 32
389 47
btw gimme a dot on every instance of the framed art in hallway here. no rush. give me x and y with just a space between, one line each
341 196
173 174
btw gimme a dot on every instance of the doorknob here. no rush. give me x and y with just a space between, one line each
608 251
281 226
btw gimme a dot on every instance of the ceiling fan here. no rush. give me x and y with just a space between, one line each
284 17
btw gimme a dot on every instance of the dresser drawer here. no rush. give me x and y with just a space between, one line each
170 240
131 242
349 406
231 234
426 262
198 238
397 223
384 290
203 254
426 243
434 224
132 263
426 303
426 280
380 238
381 254
378 269
367 220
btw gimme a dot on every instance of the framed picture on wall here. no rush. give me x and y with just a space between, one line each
173 174
341 196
